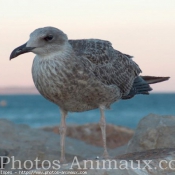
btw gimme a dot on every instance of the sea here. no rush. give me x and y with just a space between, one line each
36 111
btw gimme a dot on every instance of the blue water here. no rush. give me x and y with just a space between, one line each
36 111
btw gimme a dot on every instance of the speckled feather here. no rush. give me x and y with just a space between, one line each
111 66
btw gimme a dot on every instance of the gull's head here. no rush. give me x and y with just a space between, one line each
42 41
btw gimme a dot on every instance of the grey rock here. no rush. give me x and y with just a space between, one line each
25 143
153 132
3 160
161 163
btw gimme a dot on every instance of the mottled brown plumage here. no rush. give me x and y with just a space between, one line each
80 75
109 65
85 78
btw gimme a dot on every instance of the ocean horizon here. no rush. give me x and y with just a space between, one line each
36 111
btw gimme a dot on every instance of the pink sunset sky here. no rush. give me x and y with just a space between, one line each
144 29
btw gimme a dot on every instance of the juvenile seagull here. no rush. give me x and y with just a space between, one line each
80 75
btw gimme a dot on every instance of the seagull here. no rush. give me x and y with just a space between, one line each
81 75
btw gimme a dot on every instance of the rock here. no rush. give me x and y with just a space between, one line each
153 132
152 162
25 143
3 153
116 136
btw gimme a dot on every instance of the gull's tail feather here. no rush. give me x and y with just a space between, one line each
152 79
141 85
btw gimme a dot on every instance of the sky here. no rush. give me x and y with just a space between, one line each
144 29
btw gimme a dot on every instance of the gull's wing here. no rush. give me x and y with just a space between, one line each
110 65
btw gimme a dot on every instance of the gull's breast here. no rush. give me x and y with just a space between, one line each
70 85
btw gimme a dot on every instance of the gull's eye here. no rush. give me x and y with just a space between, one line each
48 38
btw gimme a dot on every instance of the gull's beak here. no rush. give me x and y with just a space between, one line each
20 50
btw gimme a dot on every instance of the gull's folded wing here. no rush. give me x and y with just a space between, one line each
110 65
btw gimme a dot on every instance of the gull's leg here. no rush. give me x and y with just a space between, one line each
103 130
62 130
